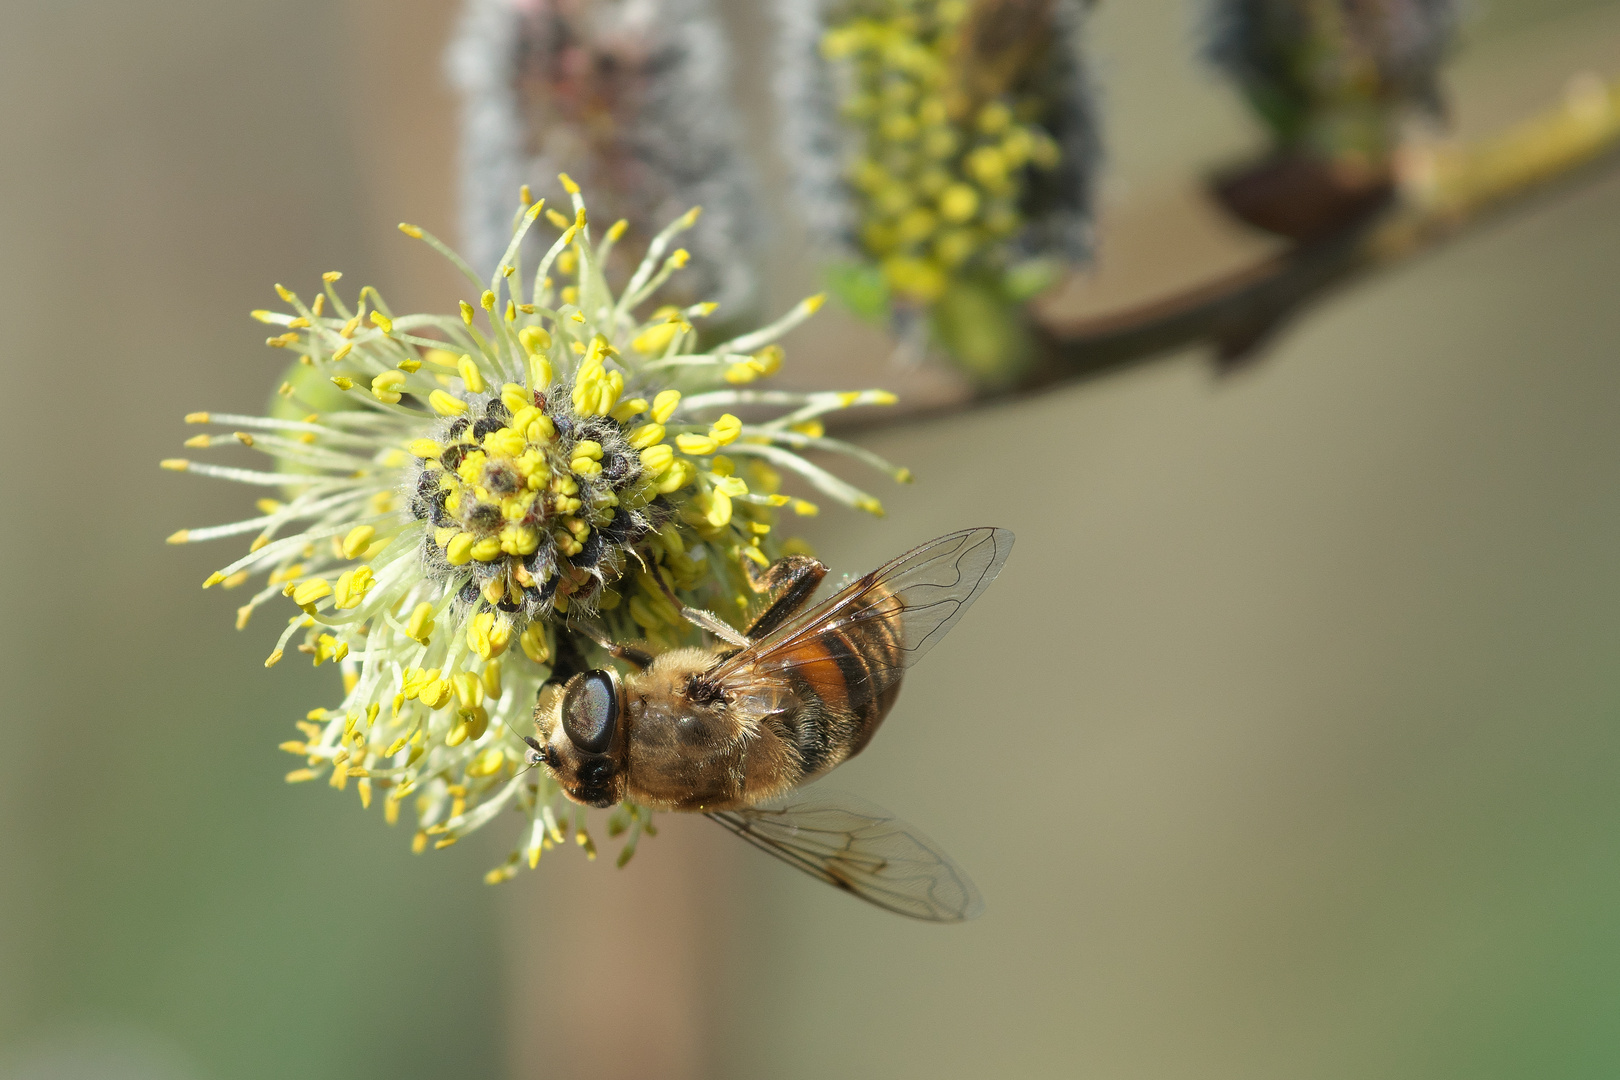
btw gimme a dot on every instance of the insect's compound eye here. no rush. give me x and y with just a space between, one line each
590 710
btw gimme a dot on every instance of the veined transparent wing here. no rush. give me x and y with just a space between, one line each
915 598
863 850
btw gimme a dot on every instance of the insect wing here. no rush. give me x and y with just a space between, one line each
921 594
863 850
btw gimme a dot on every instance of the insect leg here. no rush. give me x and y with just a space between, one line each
790 582
708 620
641 659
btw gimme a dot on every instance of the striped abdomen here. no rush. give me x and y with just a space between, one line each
847 678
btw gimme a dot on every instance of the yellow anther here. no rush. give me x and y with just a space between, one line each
680 258
504 442
425 448
534 339
435 694
273 659
386 387
343 382
488 636
902 476
725 430
198 442
616 230
492 679
419 627
327 648
446 405
410 230
647 435
812 304
695 445
870 505
180 537
196 418
471 377
467 313
805 509
815 429
332 275
533 643
264 316
655 339
718 511
487 300
412 366
655 459
213 579
568 183
579 218
357 540
285 293
458 552
298 776
382 322
689 218
306 593
624 410
679 475
663 406
516 399
539 371
557 219
469 691
741 374
577 316
175 464
486 550
244 438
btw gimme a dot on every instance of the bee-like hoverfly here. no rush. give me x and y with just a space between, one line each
733 731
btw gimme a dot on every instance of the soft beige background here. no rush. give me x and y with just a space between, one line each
1286 746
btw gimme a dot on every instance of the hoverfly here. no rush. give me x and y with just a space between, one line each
733 731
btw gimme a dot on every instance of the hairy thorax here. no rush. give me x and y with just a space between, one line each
695 745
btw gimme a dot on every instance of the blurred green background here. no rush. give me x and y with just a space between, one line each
1285 747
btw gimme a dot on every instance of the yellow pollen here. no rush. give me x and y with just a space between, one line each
175 464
